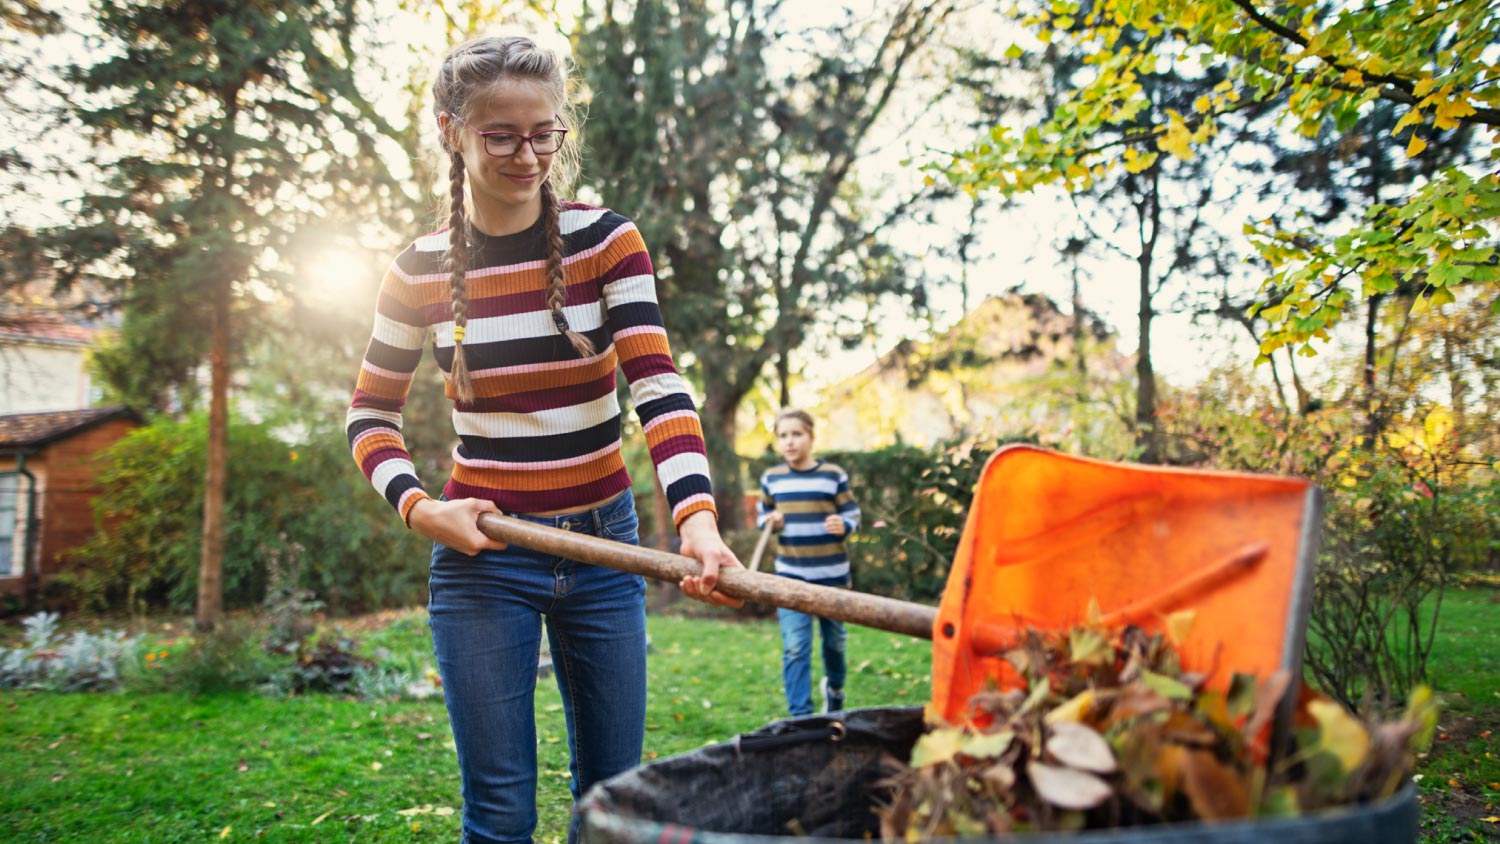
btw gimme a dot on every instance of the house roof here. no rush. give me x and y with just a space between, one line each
20 431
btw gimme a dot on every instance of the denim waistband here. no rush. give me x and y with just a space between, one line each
593 519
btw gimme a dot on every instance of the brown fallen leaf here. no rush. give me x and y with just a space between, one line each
1214 789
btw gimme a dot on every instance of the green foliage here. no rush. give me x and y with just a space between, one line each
739 168
303 503
1404 515
47 659
1318 68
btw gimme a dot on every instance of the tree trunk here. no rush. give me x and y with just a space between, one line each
1372 401
1148 437
718 412
784 377
664 525
211 563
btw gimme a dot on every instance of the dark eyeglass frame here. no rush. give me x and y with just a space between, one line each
499 135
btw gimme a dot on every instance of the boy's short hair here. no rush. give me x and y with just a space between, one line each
796 413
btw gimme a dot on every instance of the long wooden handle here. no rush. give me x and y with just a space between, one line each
760 547
772 590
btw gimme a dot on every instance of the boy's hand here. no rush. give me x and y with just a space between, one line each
835 525
776 519
701 540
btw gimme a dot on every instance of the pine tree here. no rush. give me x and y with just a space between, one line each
221 129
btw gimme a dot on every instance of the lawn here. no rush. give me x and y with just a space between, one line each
169 767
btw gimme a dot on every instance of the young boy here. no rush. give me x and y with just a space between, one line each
809 502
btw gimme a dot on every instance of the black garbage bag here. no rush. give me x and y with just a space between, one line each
818 778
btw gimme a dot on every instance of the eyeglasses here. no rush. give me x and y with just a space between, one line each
501 144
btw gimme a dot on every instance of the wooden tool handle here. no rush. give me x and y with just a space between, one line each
888 614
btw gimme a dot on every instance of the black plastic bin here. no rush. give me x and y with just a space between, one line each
814 778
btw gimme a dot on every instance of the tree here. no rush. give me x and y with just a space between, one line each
1311 63
735 145
220 129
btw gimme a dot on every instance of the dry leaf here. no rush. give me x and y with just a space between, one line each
1089 647
1001 778
1078 746
987 745
1213 788
1074 710
1179 625
1067 788
938 746
1340 733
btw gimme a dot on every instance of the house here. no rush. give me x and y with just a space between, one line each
48 478
44 362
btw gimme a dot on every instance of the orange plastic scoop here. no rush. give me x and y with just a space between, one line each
1047 533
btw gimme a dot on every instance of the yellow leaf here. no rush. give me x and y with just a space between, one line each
1352 77
1447 113
936 747
320 818
1410 118
1491 819
1202 104
1415 147
1350 480
1340 733
1177 139
1074 710
1424 86
1180 624
224 833
987 745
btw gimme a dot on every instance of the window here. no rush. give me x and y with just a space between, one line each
10 499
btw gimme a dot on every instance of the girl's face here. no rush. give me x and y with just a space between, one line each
793 441
506 191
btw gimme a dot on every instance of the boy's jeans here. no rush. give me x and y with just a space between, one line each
486 614
796 657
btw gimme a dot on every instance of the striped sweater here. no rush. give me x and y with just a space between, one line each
806 498
543 431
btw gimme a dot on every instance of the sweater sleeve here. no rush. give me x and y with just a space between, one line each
674 432
373 422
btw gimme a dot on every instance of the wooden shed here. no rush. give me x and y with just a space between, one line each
49 471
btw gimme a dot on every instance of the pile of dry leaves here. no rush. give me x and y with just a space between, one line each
1113 733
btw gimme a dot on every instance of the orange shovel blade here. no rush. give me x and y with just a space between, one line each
1049 532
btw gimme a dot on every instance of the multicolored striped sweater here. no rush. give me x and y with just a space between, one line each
806 498
543 432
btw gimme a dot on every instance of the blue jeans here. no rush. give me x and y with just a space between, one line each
796 657
487 613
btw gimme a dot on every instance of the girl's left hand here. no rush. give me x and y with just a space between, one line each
701 540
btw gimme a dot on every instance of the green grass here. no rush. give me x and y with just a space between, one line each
1460 784
166 768
169 767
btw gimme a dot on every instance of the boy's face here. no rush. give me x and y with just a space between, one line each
793 441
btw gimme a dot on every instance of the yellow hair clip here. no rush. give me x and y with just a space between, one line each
458 334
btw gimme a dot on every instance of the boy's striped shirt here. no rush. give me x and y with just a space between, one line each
543 431
805 548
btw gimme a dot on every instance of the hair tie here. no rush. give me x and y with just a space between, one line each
561 321
458 334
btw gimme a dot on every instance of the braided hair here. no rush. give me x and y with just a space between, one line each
467 70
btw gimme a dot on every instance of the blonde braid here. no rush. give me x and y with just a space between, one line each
557 288
458 257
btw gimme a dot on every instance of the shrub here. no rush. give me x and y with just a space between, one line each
51 661
307 502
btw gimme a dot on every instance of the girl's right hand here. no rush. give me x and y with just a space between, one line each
454 523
